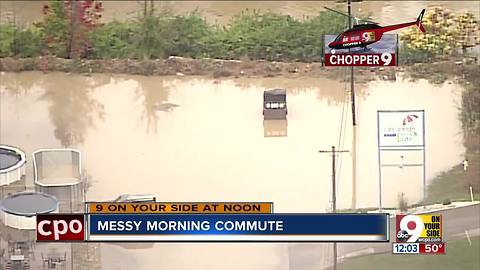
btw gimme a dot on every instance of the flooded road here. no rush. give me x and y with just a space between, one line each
212 146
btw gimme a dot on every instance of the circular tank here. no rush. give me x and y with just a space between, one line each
12 164
19 210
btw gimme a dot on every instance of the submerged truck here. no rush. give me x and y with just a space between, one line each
275 104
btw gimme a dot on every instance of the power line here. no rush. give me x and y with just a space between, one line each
343 123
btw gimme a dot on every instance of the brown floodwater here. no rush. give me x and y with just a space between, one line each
221 12
213 146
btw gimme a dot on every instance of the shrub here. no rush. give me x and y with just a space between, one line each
410 55
185 35
6 39
402 202
446 33
147 41
315 28
112 40
273 37
470 113
29 41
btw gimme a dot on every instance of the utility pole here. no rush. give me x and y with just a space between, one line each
334 195
352 86
354 119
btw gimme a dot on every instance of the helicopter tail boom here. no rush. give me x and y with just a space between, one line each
419 21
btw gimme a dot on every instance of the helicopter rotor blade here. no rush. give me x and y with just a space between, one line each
341 13
368 21
338 12
355 19
343 1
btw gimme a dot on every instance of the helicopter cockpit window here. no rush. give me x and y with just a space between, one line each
338 38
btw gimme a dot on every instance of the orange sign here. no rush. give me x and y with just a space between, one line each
181 208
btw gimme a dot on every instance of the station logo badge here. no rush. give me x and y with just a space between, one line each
419 228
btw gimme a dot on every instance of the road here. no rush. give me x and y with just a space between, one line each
320 256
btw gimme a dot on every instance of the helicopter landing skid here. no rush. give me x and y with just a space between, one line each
364 49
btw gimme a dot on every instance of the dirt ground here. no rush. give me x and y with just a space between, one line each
183 66
436 72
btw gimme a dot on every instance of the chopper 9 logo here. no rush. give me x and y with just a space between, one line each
419 228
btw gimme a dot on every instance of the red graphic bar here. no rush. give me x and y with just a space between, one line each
432 248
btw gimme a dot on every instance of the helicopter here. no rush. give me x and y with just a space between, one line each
361 35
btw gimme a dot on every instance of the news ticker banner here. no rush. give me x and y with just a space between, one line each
179 208
213 227
418 234
378 54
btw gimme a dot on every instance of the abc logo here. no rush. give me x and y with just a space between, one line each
402 236
58 227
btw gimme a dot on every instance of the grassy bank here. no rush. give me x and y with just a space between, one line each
73 29
459 255
453 185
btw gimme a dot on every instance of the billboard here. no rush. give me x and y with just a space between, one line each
401 128
380 53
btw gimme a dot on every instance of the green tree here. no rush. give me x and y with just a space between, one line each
55 29
66 25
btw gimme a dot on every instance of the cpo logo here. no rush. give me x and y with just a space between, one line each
61 227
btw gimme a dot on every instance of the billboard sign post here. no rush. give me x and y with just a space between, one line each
400 131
